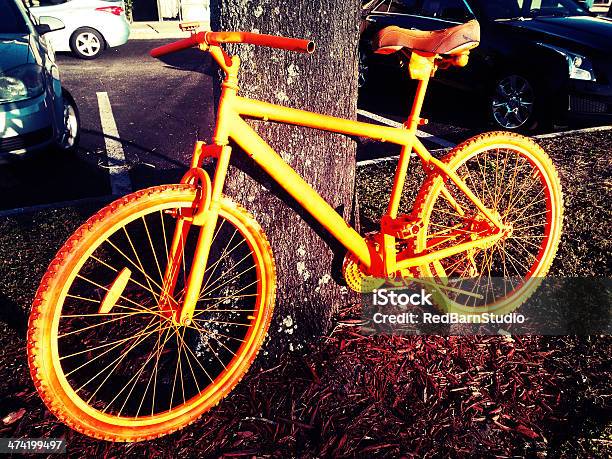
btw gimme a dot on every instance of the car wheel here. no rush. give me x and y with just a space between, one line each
513 104
87 43
69 141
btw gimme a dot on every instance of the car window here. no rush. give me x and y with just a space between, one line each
508 9
50 2
501 9
395 6
449 10
554 8
11 19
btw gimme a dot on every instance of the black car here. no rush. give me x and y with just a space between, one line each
538 60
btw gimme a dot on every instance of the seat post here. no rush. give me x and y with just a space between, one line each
421 68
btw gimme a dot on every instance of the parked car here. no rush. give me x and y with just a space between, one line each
90 25
538 60
35 111
600 7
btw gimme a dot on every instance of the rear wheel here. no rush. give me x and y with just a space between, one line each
517 181
87 43
129 372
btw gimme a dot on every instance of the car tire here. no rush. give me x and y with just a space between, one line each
68 142
363 69
513 104
87 43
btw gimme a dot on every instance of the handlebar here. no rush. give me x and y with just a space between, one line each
216 38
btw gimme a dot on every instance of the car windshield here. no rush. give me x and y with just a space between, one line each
512 9
11 19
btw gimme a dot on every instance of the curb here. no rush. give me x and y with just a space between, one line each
58 205
553 135
160 30
155 35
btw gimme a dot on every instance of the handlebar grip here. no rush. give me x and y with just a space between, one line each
186 43
216 38
271 41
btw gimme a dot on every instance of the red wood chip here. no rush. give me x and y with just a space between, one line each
13 417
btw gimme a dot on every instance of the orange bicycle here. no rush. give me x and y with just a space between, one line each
155 308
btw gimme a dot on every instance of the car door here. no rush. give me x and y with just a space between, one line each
57 9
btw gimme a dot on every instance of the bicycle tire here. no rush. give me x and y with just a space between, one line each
537 163
49 363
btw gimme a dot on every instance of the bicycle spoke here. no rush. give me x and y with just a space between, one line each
109 242
147 277
212 335
161 276
98 347
119 342
159 348
163 225
117 362
214 266
219 299
131 279
231 279
135 379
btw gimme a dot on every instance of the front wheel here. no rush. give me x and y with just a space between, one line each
69 140
515 180
513 104
127 371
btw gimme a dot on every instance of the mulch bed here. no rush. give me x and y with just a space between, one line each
375 396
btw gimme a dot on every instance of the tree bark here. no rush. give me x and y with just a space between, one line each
309 286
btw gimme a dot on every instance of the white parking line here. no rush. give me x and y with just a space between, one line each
424 135
119 176
554 135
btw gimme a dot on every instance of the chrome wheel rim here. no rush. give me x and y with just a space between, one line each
72 125
512 103
88 44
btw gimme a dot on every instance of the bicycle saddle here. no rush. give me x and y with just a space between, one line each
451 41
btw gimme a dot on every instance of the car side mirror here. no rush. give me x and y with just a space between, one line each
48 24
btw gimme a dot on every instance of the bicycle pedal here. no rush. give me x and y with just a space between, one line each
402 227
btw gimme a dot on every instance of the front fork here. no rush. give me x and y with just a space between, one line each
205 215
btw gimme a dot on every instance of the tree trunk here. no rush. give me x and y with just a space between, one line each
309 286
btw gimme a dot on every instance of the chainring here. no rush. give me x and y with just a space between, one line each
356 278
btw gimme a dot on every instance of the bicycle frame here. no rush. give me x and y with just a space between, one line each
231 126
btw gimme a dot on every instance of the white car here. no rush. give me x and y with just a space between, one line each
90 25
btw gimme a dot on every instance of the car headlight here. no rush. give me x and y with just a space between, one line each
21 83
579 67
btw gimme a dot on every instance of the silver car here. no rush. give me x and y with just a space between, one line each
90 25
